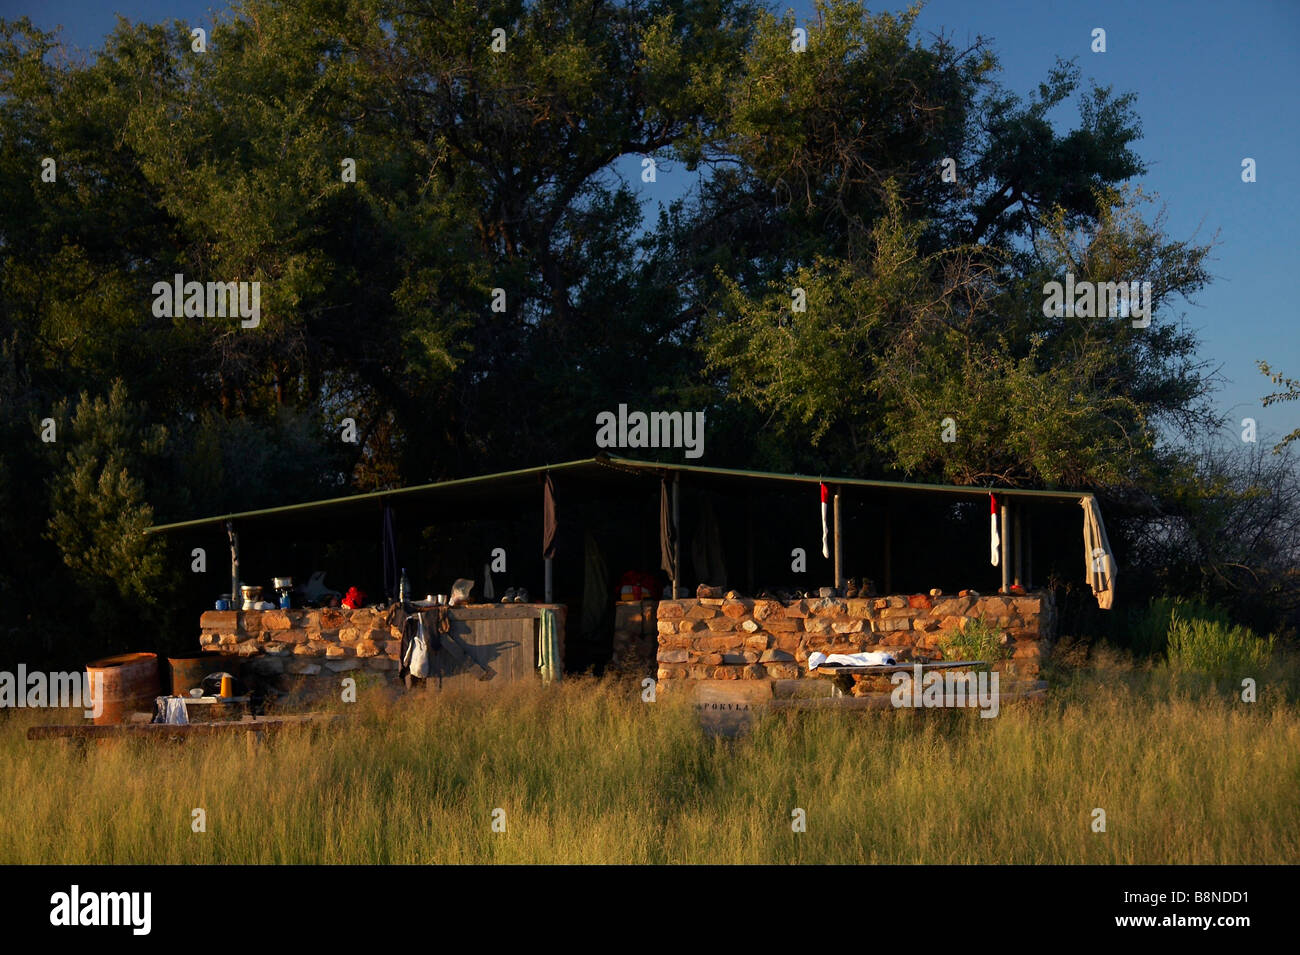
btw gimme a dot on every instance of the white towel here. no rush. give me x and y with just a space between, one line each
416 657
870 658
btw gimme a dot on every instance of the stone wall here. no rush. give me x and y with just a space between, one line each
742 639
309 646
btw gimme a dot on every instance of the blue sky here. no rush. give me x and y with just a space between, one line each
1216 82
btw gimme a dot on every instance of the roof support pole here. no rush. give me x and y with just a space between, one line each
677 531
1029 551
236 601
548 562
1017 521
1006 548
839 554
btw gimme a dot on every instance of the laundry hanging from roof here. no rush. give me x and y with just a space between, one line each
1099 560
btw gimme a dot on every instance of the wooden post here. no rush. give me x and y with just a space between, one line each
1029 551
677 531
236 600
1016 521
1005 561
839 554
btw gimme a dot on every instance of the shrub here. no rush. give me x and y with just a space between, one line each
977 641
1216 648
1148 629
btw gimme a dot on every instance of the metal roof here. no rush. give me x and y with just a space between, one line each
606 466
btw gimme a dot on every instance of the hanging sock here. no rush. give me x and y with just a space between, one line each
995 542
826 551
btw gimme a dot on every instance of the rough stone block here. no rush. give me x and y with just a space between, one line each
848 626
276 620
703 611
749 626
721 624
220 621
691 626
722 642
368 648
673 656
776 656
737 608
292 636
342 666
757 642
303 668
782 671
670 609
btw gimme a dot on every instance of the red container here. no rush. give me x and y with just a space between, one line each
126 683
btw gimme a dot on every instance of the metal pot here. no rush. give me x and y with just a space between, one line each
282 583
251 595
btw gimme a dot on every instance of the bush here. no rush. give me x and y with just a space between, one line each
1216 648
977 641
1148 630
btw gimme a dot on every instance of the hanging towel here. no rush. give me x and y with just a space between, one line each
871 658
170 709
994 540
550 519
667 534
489 592
416 657
826 552
548 647
1099 560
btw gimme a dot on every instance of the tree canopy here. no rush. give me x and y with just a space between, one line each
864 259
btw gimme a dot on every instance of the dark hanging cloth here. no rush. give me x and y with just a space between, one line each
389 547
436 623
550 523
667 533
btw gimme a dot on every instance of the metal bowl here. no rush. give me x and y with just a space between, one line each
282 583
249 592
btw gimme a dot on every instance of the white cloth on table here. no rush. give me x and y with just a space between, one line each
869 658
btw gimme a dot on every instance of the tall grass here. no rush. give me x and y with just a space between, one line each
586 772
1216 648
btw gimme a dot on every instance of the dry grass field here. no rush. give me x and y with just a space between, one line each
587 773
